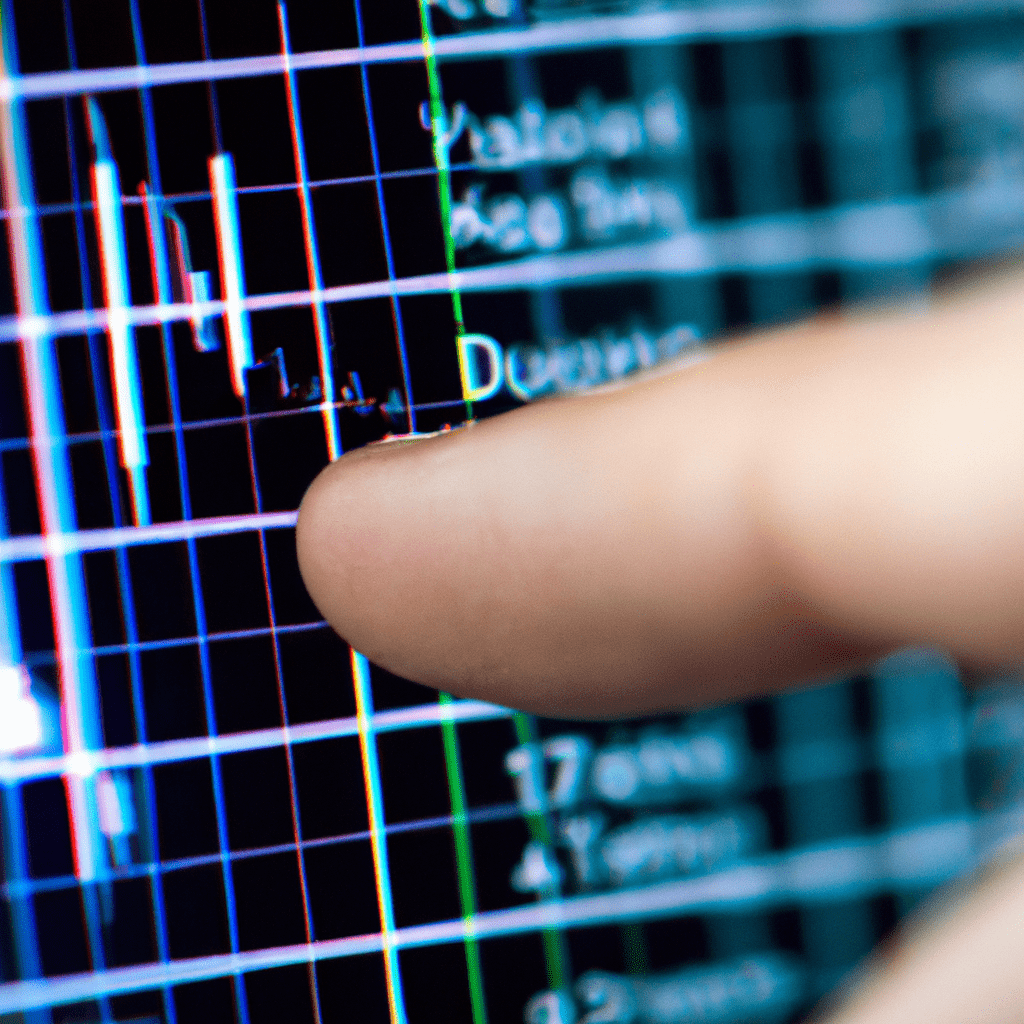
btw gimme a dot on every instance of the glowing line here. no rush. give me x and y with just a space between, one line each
814 765
907 860
463 858
438 126
397 317
42 386
378 840
26 549
867 235
10 634
123 356
556 950
316 281
232 276
735 21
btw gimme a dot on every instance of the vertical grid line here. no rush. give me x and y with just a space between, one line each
556 951
396 306
463 859
444 193
15 856
314 272
123 355
286 743
224 192
79 713
293 792
378 835
49 455
148 795
153 207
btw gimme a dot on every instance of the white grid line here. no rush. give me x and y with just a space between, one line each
732 21
955 224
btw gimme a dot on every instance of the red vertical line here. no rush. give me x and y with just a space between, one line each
293 795
42 383
313 270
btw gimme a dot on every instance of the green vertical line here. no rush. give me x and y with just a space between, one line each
438 123
463 862
556 950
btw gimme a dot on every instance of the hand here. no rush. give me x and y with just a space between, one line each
789 508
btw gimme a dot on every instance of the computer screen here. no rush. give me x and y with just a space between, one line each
243 237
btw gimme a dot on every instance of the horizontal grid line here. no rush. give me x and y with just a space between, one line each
184 426
902 860
211 637
170 751
45 210
882 234
32 887
733 21
38 546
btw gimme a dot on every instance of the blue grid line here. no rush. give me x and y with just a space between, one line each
396 307
63 208
227 879
237 634
21 443
27 886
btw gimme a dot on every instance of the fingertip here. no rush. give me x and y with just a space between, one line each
368 553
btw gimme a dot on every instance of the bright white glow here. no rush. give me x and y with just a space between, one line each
114 801
123 357
21 719
232 283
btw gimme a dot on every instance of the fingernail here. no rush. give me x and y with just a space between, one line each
415 436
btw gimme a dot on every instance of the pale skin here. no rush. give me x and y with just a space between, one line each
789 509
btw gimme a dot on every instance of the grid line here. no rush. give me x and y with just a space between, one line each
743 21
926 855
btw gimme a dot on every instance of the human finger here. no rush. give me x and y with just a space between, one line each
792 506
